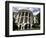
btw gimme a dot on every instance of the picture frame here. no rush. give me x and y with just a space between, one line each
11 13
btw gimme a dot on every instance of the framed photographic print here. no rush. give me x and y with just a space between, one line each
24 18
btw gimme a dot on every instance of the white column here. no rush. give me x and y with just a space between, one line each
31 22
19 20
28 21
18 26
34 19
31 25
24 18
21 27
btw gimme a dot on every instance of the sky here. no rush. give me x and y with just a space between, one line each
34 10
